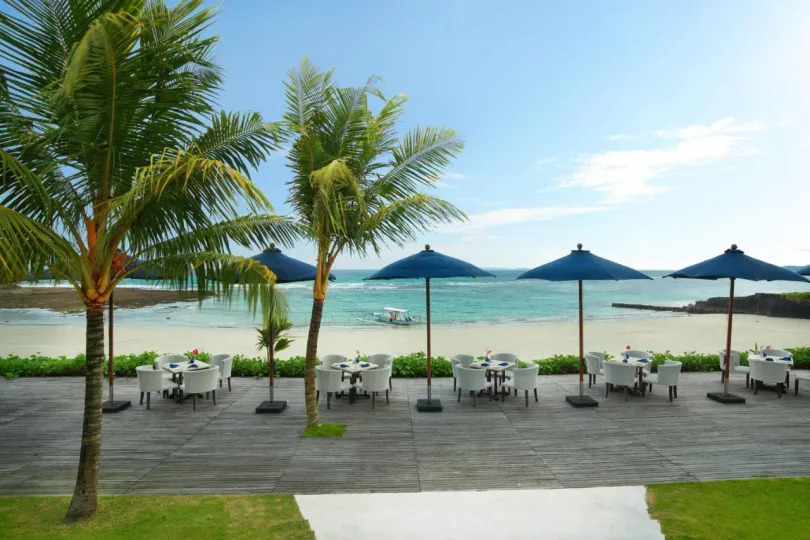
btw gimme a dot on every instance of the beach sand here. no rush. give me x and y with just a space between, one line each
701 333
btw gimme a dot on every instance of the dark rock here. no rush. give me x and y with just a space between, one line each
770 305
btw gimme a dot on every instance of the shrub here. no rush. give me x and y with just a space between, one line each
411 365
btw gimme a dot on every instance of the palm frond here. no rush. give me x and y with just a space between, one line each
27 247
241 141
421 158
306 92
222 274
21 189
245 231
401 221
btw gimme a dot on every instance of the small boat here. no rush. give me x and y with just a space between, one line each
391 316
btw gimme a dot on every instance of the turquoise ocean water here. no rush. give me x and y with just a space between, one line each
453 301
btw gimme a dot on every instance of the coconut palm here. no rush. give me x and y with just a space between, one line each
356 186
113 154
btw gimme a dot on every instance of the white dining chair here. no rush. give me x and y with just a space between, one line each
328 359
593 364
523 379
382 361
735 367
225 363
375 381
150 380
600 355
778 353
618 374
225 370
768 372
473 380
668 374
199 382
802 375
463 360
329 381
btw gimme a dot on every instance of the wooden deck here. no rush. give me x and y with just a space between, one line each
228 448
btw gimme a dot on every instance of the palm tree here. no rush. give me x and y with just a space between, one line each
112 153
356 186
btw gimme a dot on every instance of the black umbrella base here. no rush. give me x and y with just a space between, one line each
271 407
115 406
725 399
429 405
581 401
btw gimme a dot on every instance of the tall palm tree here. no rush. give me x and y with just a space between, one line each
356 186
112 153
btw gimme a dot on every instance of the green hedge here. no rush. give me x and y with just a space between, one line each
412 365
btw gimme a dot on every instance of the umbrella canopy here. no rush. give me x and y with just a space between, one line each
287 269
582 265
429 264
804 271
734 264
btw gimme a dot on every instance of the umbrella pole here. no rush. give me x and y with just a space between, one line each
270 355
581 344
271 345
427 308
110 373
727 366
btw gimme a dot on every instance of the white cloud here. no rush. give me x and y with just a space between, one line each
546 161
723 126
620 137
512 216
624 175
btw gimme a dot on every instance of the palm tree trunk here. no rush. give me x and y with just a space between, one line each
85 494
313 418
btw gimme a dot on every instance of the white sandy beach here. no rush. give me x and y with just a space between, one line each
702 333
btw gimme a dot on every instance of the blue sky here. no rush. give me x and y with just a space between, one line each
655 133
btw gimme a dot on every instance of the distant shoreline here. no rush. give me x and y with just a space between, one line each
66 299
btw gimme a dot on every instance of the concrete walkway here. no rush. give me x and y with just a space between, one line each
594 513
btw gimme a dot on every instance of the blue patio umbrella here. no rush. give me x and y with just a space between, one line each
582 265
734 264
427 265
287 270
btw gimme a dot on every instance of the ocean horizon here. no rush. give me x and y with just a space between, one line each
455 301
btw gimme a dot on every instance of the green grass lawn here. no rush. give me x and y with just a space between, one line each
335 431
735 509
177 516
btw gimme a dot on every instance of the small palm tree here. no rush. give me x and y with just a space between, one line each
356 186
281 341
112 153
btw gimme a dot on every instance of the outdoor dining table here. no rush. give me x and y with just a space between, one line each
354 368
640 364
179 368
493 368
